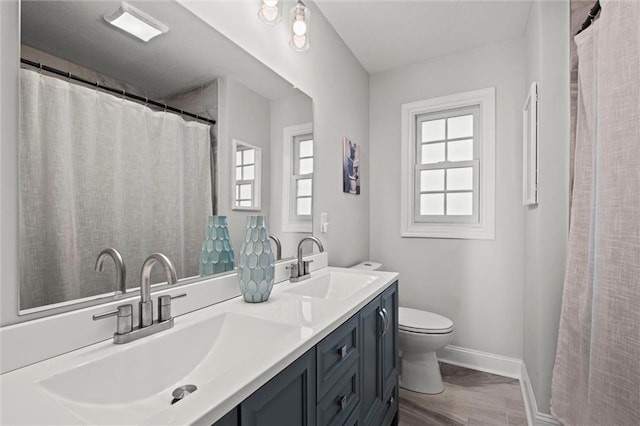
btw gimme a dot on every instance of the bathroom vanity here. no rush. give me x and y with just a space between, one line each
318 352
349 378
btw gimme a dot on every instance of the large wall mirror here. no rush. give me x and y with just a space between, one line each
99 169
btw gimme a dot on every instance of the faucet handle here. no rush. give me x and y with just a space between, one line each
125 318
305 265
164 306
294 270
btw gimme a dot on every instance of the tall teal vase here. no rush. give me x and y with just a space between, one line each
256 261
217 254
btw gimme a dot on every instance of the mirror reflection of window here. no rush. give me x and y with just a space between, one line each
302 178
246 176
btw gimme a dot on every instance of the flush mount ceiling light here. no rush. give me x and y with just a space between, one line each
136 22
299 28
270 12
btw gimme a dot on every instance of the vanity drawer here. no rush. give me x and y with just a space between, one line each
389 406
342 400
336 354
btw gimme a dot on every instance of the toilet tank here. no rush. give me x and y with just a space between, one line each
369 265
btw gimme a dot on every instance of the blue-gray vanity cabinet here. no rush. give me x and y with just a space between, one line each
287 399
379 359
350 378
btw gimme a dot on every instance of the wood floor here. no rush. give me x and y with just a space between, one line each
470 397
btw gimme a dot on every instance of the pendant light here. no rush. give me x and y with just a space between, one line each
299 27
270 12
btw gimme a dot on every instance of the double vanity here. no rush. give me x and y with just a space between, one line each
320 351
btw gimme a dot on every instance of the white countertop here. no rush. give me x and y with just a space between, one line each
308 321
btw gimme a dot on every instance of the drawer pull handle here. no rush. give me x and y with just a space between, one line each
382 328
392 400
342 402
342 351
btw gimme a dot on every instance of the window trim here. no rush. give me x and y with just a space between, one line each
484 229
257 177
289 221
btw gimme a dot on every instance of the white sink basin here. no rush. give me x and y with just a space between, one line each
333 285
134 381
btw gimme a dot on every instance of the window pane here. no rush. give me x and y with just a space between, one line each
246 203
238 158
249 172
306 148
432 204
238 173
461 178
459 127
303 206
461 150
304 188
249 156
433 130
432 180
460 204
432 153
245 191
306 166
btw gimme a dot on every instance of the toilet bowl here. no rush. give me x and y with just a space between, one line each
421 334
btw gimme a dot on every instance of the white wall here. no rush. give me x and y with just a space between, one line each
244 115
478 284
338 84
290 111
546 226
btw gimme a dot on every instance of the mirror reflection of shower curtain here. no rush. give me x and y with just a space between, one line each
99 171
596 377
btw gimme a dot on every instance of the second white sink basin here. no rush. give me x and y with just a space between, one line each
134 381
333 285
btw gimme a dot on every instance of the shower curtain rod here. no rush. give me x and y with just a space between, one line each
122 92
592 15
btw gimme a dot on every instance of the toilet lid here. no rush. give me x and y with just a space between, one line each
418 321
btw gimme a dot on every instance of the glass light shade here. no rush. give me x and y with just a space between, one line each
136 22
299 27
270 12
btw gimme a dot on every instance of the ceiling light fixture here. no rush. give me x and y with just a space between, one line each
136 22
299 28
270 12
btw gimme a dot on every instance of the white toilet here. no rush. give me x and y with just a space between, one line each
422 333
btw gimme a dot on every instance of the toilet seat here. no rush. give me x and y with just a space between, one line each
423 322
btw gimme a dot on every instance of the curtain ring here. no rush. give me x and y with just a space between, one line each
40 68
165 107
123 94
146 101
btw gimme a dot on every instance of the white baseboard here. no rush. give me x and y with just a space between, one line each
482 361
503 366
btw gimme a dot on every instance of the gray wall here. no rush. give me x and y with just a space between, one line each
246 116
546 225
285 112
477 284
339 86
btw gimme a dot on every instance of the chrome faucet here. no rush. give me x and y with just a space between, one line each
125 332
146 305
278 246
121 270
300 269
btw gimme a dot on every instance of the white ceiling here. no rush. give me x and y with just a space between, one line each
385 34
169 64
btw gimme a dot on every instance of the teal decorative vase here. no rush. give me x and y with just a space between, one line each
255 262
217 254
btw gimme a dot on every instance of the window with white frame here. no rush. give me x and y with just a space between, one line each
297 178
448 155
246 176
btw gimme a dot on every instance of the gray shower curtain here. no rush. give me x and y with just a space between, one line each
596 377
99 171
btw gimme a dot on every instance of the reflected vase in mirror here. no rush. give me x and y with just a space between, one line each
217 254
256 262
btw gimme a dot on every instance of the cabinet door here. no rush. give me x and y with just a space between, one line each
230 419
287 399
371 358
389 305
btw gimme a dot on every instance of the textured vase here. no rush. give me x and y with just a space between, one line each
217 254
255 262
